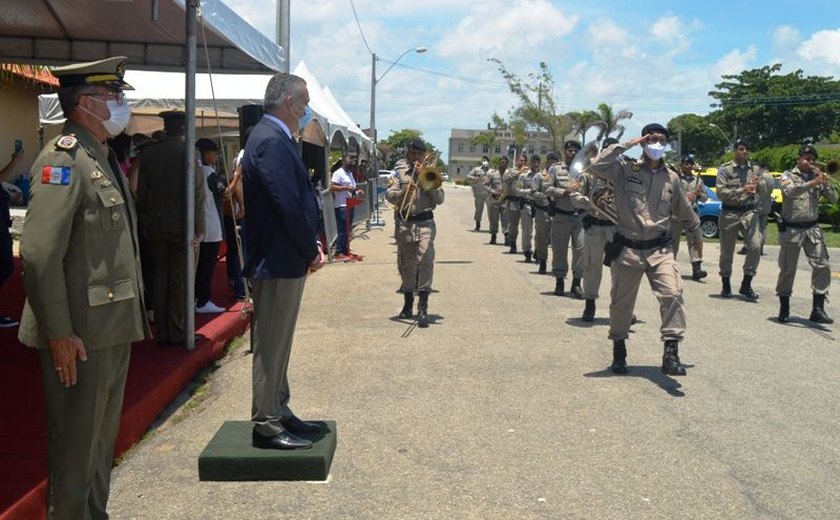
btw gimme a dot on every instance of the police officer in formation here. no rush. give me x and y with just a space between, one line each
566 225
802 188
739 187
416 233
542 216
647 195
523 187
694 191
493 187
513 201
476 178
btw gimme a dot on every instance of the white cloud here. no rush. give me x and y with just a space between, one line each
785 39
822 46
735 61
673 33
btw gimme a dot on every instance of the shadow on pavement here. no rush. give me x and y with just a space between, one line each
651 373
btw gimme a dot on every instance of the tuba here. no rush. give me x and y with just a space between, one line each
601 198
425 176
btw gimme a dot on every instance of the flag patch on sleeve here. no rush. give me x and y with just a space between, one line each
56 175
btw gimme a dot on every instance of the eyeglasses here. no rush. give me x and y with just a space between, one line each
116 95
298 103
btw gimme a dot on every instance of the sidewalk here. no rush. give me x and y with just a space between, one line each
503 408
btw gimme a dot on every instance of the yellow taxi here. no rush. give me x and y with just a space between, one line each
709 176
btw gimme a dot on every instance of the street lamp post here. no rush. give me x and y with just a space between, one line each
728 140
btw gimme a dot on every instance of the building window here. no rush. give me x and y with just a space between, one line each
460 147
543 149
498 149
472 148
485 149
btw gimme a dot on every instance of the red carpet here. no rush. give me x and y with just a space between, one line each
156 375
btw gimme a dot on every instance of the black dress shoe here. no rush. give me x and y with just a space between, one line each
298 427
281 441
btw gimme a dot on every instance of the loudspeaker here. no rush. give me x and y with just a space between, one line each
249 115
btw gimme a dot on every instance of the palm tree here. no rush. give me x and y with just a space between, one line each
582 121
609 121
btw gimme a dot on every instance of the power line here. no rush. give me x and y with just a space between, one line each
814 99
356 16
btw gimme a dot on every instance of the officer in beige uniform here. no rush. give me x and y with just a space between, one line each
694 191
476 178
764 205
415 234
739 186
512 201
84 289
647 195
523 186
802 188
542 215
493 187
566 224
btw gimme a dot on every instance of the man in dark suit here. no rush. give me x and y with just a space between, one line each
281 227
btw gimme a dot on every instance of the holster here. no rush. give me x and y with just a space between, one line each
612 249
780 222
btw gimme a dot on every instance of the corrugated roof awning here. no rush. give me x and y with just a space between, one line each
150 32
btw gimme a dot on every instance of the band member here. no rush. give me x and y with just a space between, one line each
764 206
523 186
542 218
739 186
415 233
694 191
493 187
476 178
647 195
512 201
802 188
566 225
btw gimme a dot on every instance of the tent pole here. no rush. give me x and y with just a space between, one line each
189 167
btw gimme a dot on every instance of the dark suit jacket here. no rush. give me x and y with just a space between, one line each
281 215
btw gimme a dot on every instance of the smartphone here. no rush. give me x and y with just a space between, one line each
18 145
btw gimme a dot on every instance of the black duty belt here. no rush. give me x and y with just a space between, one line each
738 209
537 206
801 225
592 221
513 199
558 211
664 240
426 215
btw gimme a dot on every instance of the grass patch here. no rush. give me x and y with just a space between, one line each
832 238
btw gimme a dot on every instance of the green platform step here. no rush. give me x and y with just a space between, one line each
229 456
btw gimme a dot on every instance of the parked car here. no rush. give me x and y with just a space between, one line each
385 177
709 177
709 212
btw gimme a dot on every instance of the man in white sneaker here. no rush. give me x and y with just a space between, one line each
208 251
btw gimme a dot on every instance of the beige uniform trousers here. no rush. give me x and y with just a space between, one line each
276 309
812 240
677 231
566 229
479 200
493 214
729 224
82 425
514 216
593 258
542 234
416 254
526 221
504 215
661 270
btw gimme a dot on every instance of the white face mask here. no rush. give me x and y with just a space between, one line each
120 114
485 164
655 151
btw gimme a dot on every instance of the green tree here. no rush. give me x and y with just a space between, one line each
769 108
398 143
582 122
609 121
537 107
486 139
705 142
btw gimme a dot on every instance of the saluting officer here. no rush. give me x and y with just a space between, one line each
566 225
695 191
84 287
802 188
476 178
527 217
739 185
647 195
416 234
542 206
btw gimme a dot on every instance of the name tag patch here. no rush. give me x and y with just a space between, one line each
56 175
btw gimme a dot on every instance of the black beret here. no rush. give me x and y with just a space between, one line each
688 159
655 128
552 156
417 144
741 142
609 141
206 145
485 157
808 149
571 143
536 157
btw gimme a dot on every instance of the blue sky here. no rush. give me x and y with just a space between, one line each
656 59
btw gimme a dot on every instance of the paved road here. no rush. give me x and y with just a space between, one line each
503 407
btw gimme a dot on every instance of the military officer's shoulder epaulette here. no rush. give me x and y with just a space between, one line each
636 166
66 142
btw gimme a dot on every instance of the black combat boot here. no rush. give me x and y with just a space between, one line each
577 292
542 266
507 240
512 248
726 291
619 364
477 225
559 289
408 298
697 272
589 311
671 365
527 257
492 239
746 289
818 314
784 309
422 310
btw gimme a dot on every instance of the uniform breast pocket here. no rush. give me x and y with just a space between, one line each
635 194
112 209
664 206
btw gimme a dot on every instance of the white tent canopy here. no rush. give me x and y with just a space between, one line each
352 127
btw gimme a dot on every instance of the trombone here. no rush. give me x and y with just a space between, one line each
425 176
